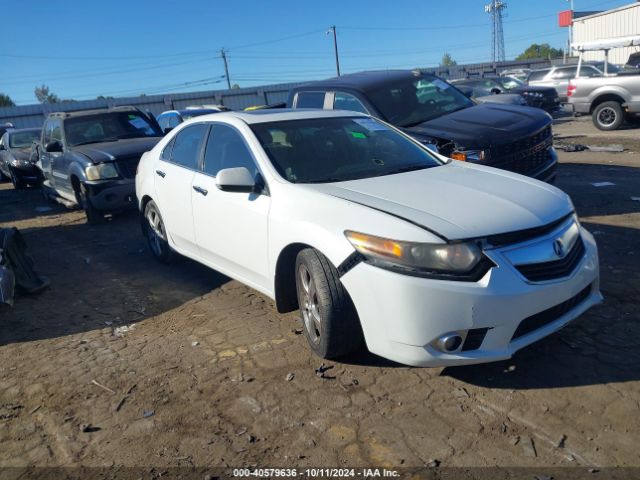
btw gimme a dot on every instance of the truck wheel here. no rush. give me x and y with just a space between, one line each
608 116
331 323
94 216
155 233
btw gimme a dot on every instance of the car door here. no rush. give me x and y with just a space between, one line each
231 227
58 161
44 158
4 154
174 173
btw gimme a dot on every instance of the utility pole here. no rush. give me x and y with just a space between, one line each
223 54
335 48
570 50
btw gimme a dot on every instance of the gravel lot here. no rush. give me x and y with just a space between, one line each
127 362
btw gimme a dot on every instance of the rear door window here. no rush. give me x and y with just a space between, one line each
537 75
346 101
564 73
310 100
188 145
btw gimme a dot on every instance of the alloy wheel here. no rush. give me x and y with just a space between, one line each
155 230
308 297
607 116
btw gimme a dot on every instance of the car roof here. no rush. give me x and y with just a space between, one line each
278 115
191 111
97 111
366 80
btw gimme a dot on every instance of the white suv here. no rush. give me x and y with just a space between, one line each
373 236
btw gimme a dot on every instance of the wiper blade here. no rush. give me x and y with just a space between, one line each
411 168
110 139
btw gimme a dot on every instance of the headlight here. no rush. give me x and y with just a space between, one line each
20 163
101 171
429 259
469 155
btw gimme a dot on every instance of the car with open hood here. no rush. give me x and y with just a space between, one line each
436 113
89 158
16 160
371 235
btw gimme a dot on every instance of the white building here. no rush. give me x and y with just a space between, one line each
619 22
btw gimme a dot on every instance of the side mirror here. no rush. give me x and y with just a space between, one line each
496 90
53 146
167 130
235 180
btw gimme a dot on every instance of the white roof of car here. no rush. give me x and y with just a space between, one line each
280 114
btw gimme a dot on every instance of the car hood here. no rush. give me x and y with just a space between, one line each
484 126
110 151
458 201
503 98
21 153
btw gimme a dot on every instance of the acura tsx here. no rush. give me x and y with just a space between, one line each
371 235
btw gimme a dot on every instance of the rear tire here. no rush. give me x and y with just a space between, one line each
608 116
331 324
155 233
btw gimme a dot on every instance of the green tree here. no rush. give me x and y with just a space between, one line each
5 101
235 86
447 60
543 50
44 95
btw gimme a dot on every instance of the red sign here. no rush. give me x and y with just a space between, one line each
565 19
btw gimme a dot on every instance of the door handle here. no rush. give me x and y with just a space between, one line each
200 190
161 173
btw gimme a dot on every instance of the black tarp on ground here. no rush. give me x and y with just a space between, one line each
16 267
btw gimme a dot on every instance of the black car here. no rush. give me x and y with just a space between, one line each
89 158
545 98
16 162
513 137
172 118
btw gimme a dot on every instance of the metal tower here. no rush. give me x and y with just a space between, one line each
495 9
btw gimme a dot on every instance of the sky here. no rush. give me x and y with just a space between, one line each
82 49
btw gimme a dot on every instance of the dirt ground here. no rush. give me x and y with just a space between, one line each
126 362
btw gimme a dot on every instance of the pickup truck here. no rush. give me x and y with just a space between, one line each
609 98
512 137
89 158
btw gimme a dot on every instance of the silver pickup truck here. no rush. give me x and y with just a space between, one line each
610 98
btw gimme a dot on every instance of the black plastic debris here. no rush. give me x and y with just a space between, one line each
17 270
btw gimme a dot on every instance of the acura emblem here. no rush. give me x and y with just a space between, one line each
558 247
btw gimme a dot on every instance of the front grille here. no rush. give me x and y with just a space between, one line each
540 272
523 156
474 339
550 315
127 166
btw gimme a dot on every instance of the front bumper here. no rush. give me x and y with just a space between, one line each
27 173
112 195
402 316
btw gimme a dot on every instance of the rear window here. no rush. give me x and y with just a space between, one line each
537 75
310 100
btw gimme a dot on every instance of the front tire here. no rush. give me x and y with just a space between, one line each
608 116
331 324
94 216
155 233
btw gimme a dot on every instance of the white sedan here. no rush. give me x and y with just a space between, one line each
371 235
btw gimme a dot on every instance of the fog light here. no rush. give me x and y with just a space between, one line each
449 342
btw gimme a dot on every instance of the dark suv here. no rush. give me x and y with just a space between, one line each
89 158
434 112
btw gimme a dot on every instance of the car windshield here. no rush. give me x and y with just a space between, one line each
338 149
509 83
107 127
410 102
23 139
